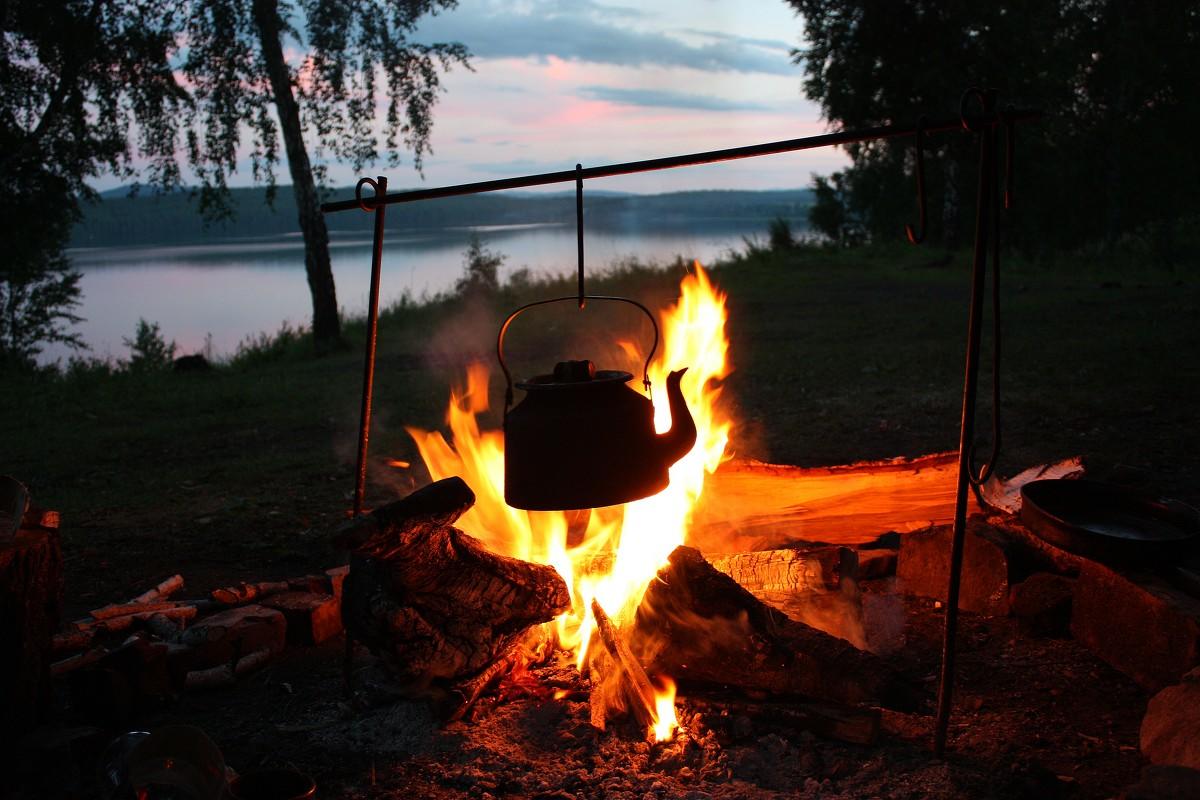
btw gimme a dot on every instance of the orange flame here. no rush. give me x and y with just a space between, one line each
623 546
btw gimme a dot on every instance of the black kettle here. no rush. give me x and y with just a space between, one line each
581 438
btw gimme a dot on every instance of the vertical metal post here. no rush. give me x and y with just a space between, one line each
579 228
987 168
364 423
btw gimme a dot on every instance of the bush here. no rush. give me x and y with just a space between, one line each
481 270
779 233
149 351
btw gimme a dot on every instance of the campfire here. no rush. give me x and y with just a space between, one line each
622 547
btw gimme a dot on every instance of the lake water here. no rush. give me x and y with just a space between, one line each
235 289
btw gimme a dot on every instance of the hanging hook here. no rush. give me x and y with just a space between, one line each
914 237
579 229
1010 132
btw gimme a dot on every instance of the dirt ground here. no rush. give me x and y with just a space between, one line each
1033 718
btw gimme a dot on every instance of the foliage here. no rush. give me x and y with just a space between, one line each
779 234
481 269
84 87
832 213
149 352
1115 80
354 51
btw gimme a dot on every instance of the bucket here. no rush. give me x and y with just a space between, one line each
273 784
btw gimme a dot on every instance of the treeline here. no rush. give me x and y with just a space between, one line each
1111 162
174 218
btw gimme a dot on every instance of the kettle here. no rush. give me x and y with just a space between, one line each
582 438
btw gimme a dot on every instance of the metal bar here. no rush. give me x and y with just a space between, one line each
987 119
987 168
579 229
364 423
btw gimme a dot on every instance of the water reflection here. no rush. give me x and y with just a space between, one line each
237 288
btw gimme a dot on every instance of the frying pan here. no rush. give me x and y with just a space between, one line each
1108 522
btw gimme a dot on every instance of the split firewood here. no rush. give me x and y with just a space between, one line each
125 622
247 592
162 591
432 601
698 625
521 654
641 692
78 661
226 674
71 641
831 720
125 609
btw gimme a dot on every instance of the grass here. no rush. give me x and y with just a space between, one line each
838 355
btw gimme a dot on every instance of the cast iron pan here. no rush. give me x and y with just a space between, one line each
1108 522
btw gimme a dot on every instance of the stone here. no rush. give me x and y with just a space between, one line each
1137 623
923 566
1164 783
1042 604
236 632
312 618
1171 728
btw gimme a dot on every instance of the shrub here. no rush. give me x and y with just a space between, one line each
149 351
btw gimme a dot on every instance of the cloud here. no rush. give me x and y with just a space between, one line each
666 98
588 32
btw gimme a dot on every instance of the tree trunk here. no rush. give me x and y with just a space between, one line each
327 330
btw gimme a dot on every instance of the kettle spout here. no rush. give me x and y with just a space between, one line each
677 442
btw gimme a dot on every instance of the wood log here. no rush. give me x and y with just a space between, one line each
31 584
432 601
179 612
162 591
245 593
640 690
125 609
698 625
749 505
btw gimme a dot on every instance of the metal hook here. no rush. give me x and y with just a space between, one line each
579 229
1010 132
917 238
358 192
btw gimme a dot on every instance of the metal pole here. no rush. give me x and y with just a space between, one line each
987 168
692 159
364 424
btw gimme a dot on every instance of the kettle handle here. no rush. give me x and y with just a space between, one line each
508 392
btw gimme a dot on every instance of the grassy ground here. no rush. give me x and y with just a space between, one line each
838 356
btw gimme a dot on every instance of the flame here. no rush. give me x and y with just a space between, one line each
664 712
623 546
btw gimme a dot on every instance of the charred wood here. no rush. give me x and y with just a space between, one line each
697 624
432 601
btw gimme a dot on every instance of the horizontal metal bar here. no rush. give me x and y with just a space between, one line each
689 160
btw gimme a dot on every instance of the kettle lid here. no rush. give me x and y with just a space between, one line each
575 375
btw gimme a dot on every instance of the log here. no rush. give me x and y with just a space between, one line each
173 611
749 505
31 584
162 591
641 692
699 626
245 593
433 602
125 609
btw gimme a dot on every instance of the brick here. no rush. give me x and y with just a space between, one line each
236 632
1137 623
923 566
1042 604
312 618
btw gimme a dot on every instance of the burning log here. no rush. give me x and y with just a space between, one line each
641 692
431 601
831 720
698 625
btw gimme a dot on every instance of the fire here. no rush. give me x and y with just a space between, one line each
664 712
623 546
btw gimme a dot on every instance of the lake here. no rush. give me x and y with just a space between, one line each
238 288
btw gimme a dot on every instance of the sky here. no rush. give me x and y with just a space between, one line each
560 82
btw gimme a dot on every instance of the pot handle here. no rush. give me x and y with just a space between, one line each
508 391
